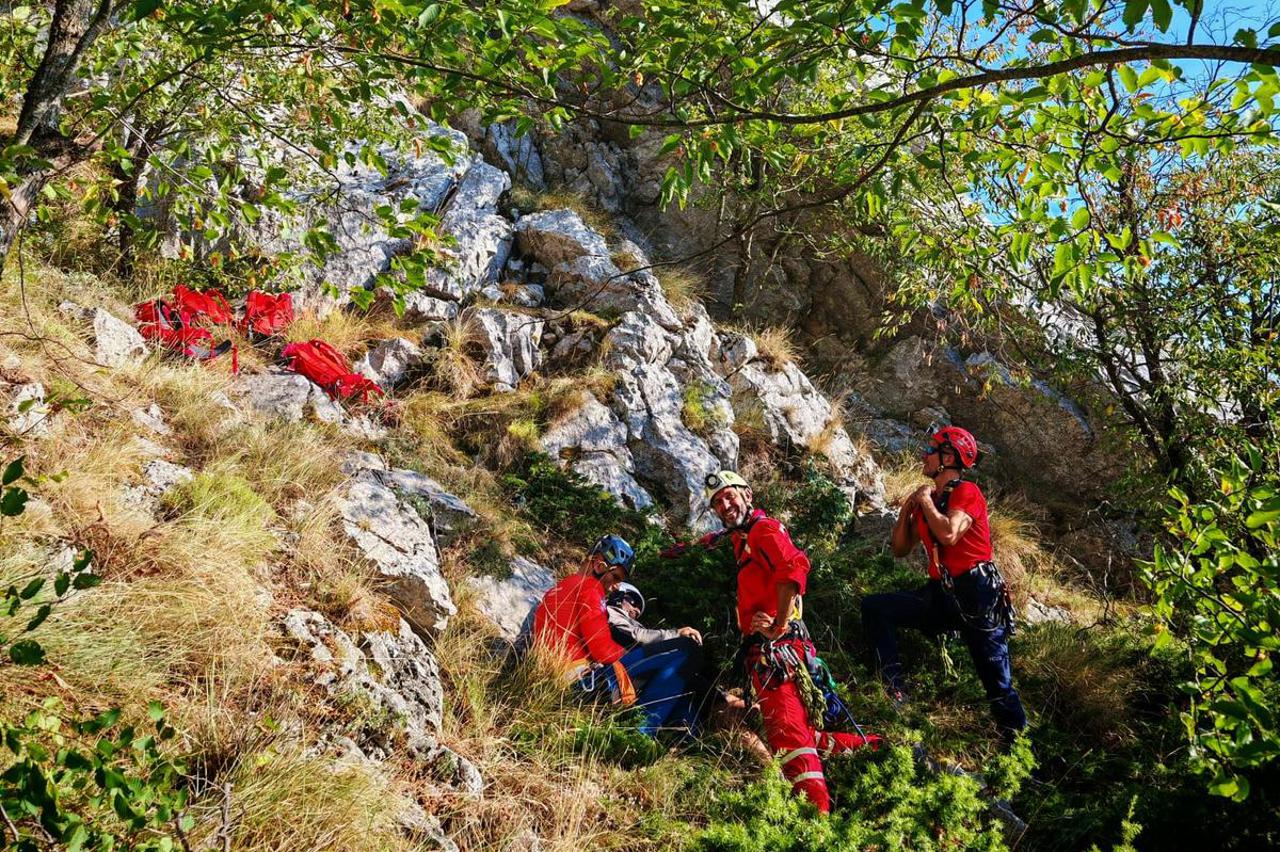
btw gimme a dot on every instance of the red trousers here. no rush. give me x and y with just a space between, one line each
799 747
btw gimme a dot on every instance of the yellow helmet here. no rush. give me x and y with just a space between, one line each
717 482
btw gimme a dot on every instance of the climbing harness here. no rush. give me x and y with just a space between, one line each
1001 612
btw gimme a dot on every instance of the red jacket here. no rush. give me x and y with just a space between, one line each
766 558
572 617
974 546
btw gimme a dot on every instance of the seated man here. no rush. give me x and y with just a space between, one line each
572 620
718 709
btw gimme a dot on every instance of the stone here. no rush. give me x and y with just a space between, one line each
158 476
358 460
29 415
1034 612
593 442
423 828
423 307
288 396
390 361
511 341
596 284
509 602
76 312
574 347
118 343
450 515
152 419
399 546
553 237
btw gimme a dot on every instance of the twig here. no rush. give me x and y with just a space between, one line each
13 828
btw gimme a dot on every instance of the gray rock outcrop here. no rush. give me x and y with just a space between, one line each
509 602
399 547
390 361
593 442
510 340
288 396
117 343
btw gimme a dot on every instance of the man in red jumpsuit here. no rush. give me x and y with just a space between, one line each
772 573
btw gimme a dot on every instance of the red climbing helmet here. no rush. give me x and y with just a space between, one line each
959 441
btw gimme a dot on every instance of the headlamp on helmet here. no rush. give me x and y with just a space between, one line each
717 482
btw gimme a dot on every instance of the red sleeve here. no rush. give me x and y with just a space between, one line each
967 498
594 624
771 540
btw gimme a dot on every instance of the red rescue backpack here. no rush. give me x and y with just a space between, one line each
325 366
266 314
172 327
205 308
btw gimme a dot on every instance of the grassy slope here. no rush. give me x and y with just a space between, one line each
186 612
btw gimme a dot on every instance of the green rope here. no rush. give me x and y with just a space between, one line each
948 664
815 703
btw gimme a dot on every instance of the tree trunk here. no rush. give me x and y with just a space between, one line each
75 25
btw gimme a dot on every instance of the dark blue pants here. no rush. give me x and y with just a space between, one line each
665 675
930 609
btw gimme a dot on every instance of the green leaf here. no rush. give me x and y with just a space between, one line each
13 471
13 503
26 652
143 8
32 589
41 614
86 581
1080 219
1162 14
155 710
1134 10
1129 77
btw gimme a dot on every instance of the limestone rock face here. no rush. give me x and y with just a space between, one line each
1017 419
482 237
450 515
399 546
511 341
509 602
29 415
398 674
649 400
390 361
365 247
593 441
798 415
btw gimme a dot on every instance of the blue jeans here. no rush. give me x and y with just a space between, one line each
665 675
931 609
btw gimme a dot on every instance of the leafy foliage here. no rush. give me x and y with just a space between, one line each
1217 589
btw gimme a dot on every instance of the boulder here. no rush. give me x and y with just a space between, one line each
509 602
553 237
118 343
482 239
390 361
511 342
409 669
152 419
288 396
399 546
1034 612
593 442
450 515
158 476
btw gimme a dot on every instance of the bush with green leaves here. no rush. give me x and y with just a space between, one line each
1217 589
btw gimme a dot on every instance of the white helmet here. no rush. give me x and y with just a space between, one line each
622 591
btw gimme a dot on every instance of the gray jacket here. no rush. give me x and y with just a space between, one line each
628 632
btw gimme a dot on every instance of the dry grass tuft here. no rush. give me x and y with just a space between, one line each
776 347
456 366
347 331
682 286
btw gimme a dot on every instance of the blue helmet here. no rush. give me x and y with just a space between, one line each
614 550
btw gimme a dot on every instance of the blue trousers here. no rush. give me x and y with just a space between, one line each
665 675
931 609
